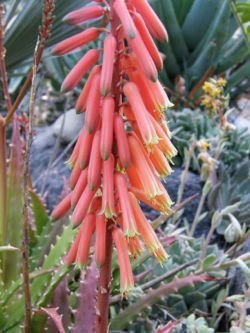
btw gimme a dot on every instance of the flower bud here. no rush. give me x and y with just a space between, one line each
76 41
84 14
233 232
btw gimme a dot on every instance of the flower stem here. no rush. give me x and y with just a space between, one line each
102 318
2 62
44 33
3 183
104 289
184 175
3 165
205 191
25 241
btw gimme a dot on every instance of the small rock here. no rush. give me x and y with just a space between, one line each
68 125
48 179
242 123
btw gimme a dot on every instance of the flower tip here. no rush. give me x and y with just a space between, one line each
105 156
66 19
89 129
104 92
54 52
69 164
161 255
78 111
53 217
75 223
126 165
64 89
92 187
99 264
154 77
132 35
81 266
125 291
83 166
130 233
109 213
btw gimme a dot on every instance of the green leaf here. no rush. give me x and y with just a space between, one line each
208 261
41 217
43 285
198 19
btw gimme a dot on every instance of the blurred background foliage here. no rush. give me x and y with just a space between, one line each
205 39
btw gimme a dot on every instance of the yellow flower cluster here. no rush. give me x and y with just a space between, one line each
203 145
214 99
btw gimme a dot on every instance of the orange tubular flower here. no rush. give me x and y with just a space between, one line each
146 231
122 142
108 197
93 105
108 108
164 144
141 114
144 172
75 175
87 230
80 69
155 26
95 164
124 148
62 208
156 203
161 100
82 99
164 199
148 41
126 275
79 188
129 223
71 257
85 148
82 206
160 162
134 246
73 158
108 64
100 240
123 14
84 14
146 62
76 41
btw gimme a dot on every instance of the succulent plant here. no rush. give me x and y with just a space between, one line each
202 42
231 189
191 324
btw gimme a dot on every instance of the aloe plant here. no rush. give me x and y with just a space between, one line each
202 42
21 28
